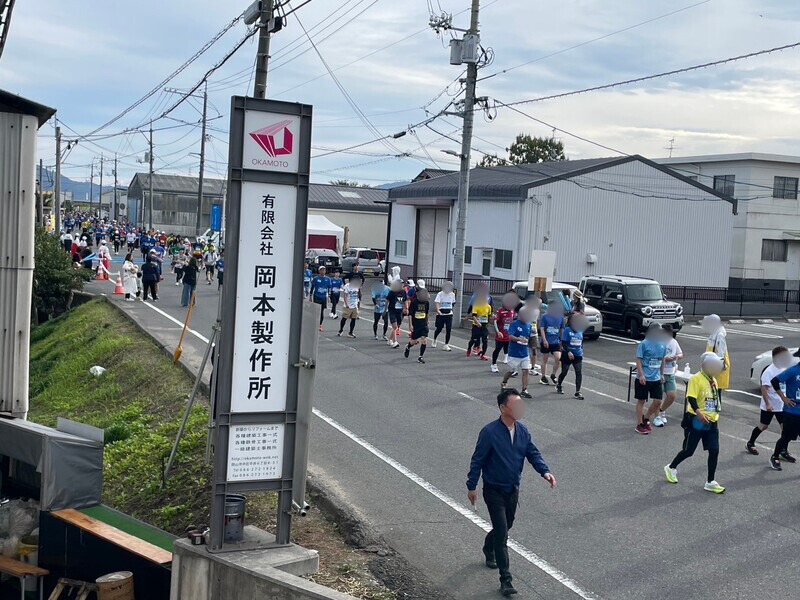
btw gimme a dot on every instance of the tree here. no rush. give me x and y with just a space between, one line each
527 149
348 183
54 276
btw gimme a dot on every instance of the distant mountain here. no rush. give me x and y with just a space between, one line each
79 189
393 184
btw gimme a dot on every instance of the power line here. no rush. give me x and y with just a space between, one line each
658 75
593 40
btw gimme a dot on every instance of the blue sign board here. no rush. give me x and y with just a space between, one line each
216 217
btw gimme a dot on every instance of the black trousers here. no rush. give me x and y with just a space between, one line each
443 322
480 338
502 507
150 287
376 319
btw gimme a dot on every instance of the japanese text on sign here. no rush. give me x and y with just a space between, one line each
264 297
255 452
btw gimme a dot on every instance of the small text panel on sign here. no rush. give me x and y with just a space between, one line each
264 298
255 452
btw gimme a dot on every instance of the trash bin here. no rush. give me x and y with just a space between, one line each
115 586
234 518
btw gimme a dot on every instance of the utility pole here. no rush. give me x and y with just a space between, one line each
463 182
57 183
262 58
151 178
114 214
198 224
91 188
100 203
40 200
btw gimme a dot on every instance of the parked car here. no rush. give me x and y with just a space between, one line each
762 361
322 257
630 303
565 290
368 261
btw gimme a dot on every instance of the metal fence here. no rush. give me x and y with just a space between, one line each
496 286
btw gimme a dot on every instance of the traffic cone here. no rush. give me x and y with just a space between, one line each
119 289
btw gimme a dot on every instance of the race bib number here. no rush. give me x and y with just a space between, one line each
576 342
335 290
483 319
552 331
420 315
783 388
398 305
655 363
710 405
446 305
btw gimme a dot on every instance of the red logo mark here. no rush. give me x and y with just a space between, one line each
276 139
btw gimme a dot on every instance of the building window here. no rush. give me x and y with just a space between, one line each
774 250
467 255
502 259
785 187
401 248
725 184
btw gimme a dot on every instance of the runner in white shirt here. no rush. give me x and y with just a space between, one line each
674 354
771 403
444 301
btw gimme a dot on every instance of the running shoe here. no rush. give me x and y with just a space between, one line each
663 416
469 351
321 328
483 357
714 487
420 360
642 429
553 379
476 349
494 369
514 373
340 334
376 337
649 427
177 283
788 457
544 381
559 390
751 448
406 351
389 342
525 394
351 335
671 474
657 421
433 344
775 464
396 345
447 348
579 396
503 385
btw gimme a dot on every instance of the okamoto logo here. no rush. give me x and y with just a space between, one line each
276 140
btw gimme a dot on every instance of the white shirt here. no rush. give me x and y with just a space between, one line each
766 379
673 349
511 431
445 301
350 296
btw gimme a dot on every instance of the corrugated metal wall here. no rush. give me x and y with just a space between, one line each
17 218
637 221
367 229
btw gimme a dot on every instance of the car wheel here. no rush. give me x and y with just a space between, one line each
634 328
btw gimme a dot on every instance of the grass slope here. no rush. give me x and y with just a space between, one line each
138 401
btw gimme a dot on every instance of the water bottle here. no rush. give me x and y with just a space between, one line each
687 371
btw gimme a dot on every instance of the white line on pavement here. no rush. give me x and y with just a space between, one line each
745 393
521 550
778 327
619 340
177 322
750 333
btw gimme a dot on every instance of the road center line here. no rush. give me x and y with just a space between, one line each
521 550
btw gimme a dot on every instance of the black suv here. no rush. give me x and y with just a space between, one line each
630 303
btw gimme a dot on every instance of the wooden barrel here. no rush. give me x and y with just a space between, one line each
115 586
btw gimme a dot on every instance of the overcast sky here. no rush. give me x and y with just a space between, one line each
91 60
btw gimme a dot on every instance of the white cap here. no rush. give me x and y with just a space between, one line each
421 283
711 358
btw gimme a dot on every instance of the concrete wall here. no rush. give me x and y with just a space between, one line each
404 227
367 229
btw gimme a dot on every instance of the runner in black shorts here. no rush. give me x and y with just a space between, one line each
771 403
418 313
395 304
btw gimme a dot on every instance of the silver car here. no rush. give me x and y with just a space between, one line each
593 315
762 361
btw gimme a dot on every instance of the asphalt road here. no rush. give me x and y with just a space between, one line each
397 437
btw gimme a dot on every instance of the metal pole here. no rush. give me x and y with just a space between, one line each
57 183
115 216
150 227
198 224
91 188
262 58
100 203
40 200
463 183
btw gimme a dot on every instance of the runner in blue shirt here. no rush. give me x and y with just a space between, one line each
650 356
336 290
307 274
519 332
791 413
551 326
320 287
380 293
572 352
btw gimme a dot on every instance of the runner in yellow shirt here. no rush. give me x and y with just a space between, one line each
700 419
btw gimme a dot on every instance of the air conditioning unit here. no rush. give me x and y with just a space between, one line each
591 258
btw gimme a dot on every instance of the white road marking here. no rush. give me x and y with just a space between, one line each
750 333
619 340
465 512
776 326
745 393
177 322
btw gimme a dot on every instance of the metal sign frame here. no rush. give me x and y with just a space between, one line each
295 428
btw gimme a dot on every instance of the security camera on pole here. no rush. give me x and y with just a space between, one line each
463 51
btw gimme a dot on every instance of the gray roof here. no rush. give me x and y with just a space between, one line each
11 103
513 181
431 173
178 184
341 197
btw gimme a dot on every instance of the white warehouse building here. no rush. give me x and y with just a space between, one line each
601 216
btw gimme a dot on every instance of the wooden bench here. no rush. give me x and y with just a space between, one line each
23 571
116 536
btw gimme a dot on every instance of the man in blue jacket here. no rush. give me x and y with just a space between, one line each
503 445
